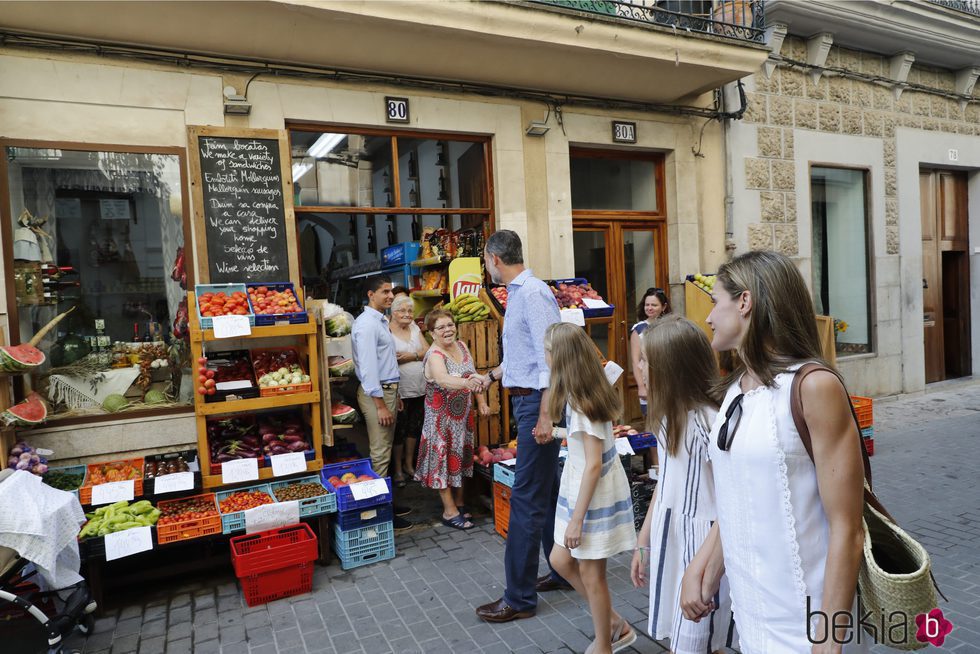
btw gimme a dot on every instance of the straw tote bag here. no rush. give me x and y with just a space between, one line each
895 574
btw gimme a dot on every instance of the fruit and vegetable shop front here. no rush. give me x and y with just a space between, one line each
181 273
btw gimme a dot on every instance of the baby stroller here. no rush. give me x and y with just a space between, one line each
33 620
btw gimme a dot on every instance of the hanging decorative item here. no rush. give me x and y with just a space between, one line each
31 242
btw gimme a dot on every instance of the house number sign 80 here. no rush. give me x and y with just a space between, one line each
623 132
396 110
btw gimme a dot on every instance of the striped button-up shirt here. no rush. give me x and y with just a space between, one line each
531 308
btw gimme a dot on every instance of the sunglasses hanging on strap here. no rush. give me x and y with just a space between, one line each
896 572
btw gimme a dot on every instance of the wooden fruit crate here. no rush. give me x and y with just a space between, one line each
483 340
488 430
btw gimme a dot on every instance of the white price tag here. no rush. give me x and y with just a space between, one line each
370 514
112 492
623 446
363 490
174 482
593 304
231 326
270 516
574 316
239 470
509 462
126 543
233 385
288 464
613 371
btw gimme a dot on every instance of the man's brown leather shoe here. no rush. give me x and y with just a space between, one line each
548 583
500 611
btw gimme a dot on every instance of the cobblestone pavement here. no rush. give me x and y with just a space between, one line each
926 465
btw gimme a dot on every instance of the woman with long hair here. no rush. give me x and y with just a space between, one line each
682 407
653 304
594 518
789 534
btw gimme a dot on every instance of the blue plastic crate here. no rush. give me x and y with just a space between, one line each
235 521
71 470
642 441
311 506
604 312
345 500
228 289
348 520
263 320
868 432
364 546
504 474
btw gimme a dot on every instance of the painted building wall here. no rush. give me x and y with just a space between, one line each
82 99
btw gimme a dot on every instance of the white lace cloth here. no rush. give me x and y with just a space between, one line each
41 523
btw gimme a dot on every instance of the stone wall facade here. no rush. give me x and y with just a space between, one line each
848 114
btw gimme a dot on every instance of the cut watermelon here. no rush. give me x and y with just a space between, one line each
343 414
340 366
32 411
20 358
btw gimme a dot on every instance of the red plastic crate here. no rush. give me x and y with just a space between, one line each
277 584
864 408
501 508
869 445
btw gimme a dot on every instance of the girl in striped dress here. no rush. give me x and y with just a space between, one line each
681 410
594 516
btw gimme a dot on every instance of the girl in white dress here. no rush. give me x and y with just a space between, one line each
681 410
789 534
594 517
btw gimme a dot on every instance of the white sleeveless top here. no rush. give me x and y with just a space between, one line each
773 527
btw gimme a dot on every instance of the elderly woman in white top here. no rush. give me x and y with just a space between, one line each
410 349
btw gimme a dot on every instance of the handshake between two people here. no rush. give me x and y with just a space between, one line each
478 383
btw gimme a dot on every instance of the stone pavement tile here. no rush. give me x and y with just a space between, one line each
182 646
152 645
405 645
131 612
178 631
357 610
230 617
232 634
180 599
205 616
339 625
179 615
98 641
155 628
267 648
211 646
128 627
365 628
253 620
204 633
156 612
435 646
309 622
288 638
259 636
125 645
105 624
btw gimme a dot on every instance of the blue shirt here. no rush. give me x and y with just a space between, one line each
531 308
374 352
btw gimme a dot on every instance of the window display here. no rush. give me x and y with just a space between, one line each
99 236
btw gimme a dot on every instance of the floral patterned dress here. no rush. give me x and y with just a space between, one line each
446 448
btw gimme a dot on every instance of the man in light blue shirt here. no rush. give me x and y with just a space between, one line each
531 309
377 369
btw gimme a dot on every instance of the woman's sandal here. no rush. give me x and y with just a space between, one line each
463 511
458 522
398 481
621 640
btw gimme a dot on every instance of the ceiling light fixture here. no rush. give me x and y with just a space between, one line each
325 144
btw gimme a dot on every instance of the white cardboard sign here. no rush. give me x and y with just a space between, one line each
623 447
173 483
127 543
593 304
288 464
613 371
233 472
363 490
271 516
574 316
231 326
115 491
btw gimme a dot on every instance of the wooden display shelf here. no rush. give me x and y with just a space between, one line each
265 474
258 403
336 426
429 293
431 261
273 331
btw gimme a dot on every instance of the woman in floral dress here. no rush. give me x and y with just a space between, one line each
446 449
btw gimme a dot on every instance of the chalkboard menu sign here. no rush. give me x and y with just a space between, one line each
244 209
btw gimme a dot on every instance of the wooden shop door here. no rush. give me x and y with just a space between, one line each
945 274
621 258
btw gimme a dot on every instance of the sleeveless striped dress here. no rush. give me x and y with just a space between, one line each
683 513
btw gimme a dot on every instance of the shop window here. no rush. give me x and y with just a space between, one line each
613 184
841 255
101 234
406 187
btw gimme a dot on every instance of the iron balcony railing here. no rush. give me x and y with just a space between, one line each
735 19
966 6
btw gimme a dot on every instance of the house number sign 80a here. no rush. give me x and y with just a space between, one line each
396 110
623 132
